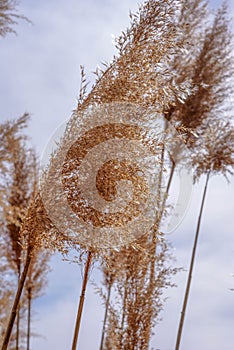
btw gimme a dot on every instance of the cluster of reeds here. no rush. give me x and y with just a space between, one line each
18 183
173 62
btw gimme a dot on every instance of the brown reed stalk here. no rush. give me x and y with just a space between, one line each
19 172
191 266
29 297
35 283
81 302
16 301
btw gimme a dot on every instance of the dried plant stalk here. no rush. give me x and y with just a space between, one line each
81 303
215 155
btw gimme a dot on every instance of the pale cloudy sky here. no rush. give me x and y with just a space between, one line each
39 73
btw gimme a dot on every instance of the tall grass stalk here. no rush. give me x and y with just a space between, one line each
29 297
81 303
185 302
18 319
16 301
